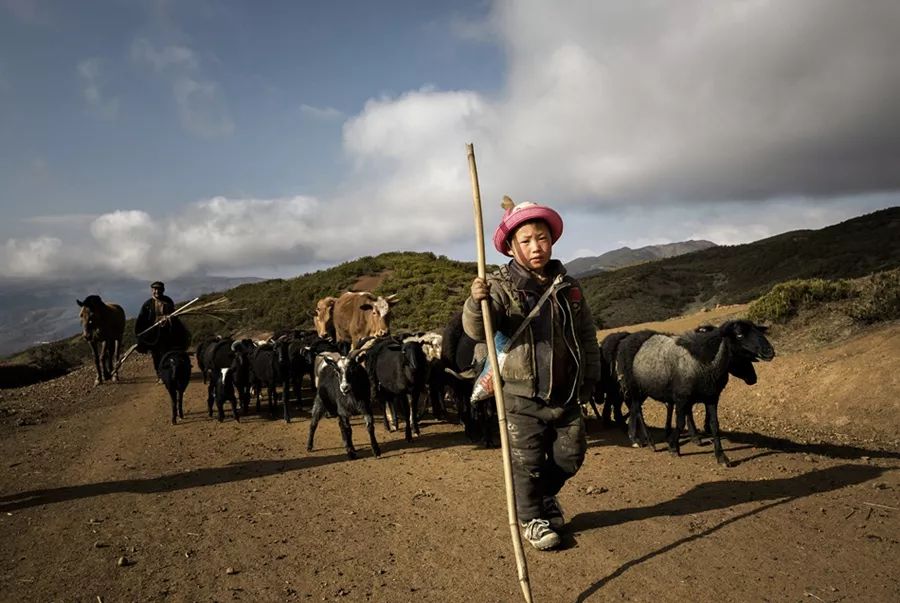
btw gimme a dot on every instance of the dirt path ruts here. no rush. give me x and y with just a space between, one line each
426 522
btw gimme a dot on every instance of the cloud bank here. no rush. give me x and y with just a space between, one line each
722 120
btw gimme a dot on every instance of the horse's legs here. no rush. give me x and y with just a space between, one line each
117 352
96 354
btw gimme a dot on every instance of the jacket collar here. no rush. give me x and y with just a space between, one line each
522 278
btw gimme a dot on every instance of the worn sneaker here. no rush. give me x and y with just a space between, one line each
539 534
553 512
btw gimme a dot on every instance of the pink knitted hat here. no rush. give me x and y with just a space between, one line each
521 213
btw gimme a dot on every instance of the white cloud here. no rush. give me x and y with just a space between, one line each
321 113
641 122
31 257
200 101
217 234
91 77
609 105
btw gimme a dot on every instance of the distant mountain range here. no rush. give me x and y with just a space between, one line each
32 313
626 256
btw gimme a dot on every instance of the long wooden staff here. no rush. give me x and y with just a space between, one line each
498 387
157 323
164 319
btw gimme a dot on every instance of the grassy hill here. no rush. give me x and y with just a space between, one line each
431 288
741 273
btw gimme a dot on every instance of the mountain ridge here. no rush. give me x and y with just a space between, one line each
626 256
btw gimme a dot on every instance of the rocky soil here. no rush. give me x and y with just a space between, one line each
102 499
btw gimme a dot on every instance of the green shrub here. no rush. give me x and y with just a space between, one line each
878 299
785 299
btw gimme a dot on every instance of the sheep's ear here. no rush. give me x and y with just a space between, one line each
762 328
79 302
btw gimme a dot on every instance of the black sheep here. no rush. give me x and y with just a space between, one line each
398 372
241 373
293 364
218 358
175 373
607 389
265 372
688 369
463 358
199 355
342 390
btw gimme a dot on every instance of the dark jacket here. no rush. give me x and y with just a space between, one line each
557 357
149 314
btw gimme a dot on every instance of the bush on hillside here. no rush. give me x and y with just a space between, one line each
878 298
785 299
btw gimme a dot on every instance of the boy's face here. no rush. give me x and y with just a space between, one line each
156 292
531 245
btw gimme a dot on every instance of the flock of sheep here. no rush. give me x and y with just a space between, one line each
354 364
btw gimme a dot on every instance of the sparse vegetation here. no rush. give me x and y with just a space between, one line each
785 299
870 299
878 298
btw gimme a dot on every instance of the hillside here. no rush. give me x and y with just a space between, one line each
32 313
626 256
430 290
738 274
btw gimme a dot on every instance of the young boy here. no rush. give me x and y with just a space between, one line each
549 367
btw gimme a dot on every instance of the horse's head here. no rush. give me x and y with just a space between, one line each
88 315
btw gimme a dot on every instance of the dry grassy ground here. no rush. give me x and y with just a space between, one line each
204 511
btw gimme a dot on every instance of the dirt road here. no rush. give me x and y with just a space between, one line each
204 511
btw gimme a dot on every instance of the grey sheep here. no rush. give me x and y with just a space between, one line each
687 369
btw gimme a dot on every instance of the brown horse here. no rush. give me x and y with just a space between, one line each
103 326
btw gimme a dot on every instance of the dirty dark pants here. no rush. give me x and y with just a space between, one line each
547 445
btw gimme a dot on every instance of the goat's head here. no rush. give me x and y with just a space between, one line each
343 366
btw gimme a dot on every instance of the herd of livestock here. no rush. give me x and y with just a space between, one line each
354 364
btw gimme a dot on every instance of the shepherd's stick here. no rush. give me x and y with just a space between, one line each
123 359
165 318
498 387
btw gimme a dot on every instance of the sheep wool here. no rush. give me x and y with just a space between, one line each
666 370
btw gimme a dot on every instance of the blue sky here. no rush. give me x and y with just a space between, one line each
156 138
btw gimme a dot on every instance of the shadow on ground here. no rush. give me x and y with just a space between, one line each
211 476
721 495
